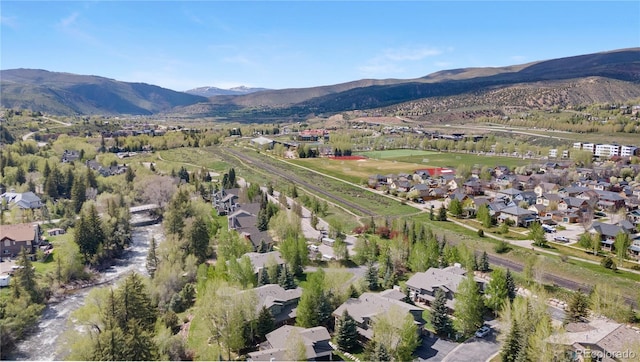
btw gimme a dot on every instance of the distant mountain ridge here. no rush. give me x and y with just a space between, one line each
214 91
611 76
73 94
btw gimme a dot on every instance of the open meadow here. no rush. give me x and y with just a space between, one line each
443 159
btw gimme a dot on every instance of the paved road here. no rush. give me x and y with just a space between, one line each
434 349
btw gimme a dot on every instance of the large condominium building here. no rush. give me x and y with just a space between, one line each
607 150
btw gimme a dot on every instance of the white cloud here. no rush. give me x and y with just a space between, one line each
9 21
69 20
518 58
410 54
394 61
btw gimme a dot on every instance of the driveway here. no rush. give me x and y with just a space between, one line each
434 349
477 349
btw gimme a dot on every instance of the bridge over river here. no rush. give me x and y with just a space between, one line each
143 215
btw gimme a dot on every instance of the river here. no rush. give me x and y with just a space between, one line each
45 342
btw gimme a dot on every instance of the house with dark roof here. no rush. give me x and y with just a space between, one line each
244 221
264 260
315 340
280 302
21 200
607 232
519 216
14 238
422 287
369 305
598 340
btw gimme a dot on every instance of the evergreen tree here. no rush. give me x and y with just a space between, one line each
511 286
78 194
152 258
285 278
264 277
380 353
91 179
442 213
88 233
372 276
21 177
346 333
439 314
129 175
199 239
484 263
25 278
512 345
578 307
264 324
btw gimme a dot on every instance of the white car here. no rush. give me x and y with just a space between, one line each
483 331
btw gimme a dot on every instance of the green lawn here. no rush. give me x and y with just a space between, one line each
444 159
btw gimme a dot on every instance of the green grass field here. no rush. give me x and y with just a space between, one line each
443 159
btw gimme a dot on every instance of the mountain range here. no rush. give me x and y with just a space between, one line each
213 91
612 76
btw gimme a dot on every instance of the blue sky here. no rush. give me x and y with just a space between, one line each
278 44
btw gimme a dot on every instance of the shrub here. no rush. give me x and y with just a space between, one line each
502 247
481 233
609 263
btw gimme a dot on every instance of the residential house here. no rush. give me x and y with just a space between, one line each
244 220
225 201
549 199
315 340
572 191
280 302
525 196
472 187
546 187
519 216
21 200
422 287
69 156
263 260
422 190
365 308
610 200
607 232
598 340
14 238
376 181
56 231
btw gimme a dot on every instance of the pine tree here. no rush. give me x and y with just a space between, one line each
484 262
285 278
25 277
439 314
380 353
152 258
264 324
578 307
78 194
264 277
199 239
512 346
511 286
442 213
372 276
346 333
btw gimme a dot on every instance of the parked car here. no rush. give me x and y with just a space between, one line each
483 331
561 239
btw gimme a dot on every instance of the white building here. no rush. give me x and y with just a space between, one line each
626 151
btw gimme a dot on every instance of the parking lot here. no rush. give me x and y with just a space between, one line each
572 232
